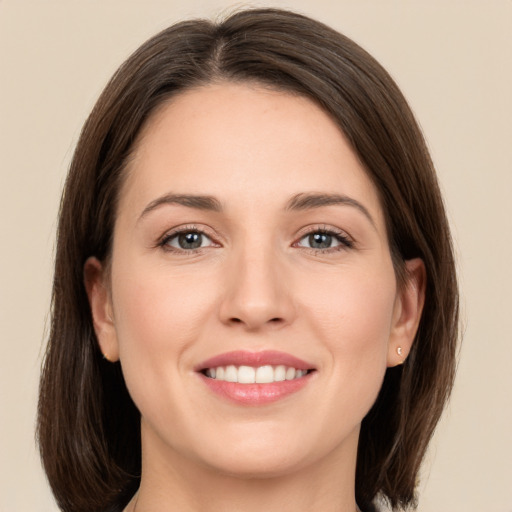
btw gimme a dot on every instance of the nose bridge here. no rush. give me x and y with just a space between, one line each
257 293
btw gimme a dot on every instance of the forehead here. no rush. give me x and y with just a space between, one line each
244 142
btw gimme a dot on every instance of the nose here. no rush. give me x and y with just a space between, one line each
257 294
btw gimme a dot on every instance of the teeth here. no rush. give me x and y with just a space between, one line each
231 374
264 375
280 373
290 373
246 375
260 375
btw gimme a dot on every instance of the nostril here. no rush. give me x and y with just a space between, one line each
276 320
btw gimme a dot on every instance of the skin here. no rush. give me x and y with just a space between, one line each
255 284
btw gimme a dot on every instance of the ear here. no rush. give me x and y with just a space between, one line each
407 312
97 288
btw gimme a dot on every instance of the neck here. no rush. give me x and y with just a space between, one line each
174 482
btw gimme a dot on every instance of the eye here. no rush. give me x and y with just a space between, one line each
324 240
187 240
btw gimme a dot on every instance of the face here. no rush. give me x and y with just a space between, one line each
250 246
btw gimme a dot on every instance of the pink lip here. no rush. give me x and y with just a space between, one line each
245 358
255 394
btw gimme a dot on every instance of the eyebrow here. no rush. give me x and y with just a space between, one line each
191 201
309 201
299 202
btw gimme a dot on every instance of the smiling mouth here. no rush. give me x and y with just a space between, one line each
249 378
266 374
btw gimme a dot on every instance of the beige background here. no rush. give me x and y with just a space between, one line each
453 61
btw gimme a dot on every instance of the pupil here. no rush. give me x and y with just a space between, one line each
190 240
320 241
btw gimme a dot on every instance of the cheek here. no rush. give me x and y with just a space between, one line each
155 308
159 315
353 308
351 313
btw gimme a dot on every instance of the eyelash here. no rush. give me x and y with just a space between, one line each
344 240
164 241
340 236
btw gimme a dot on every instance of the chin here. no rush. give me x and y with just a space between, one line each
260 466
263 456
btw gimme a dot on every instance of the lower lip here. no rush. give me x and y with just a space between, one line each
255 394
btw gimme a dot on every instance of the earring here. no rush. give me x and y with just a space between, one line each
106 358
399 352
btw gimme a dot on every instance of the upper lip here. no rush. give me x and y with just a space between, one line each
255 359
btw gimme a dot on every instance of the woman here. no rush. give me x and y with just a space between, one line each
255 302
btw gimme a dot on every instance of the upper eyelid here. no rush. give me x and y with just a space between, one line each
170 233
324 229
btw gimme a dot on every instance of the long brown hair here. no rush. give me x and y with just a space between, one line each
88 426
